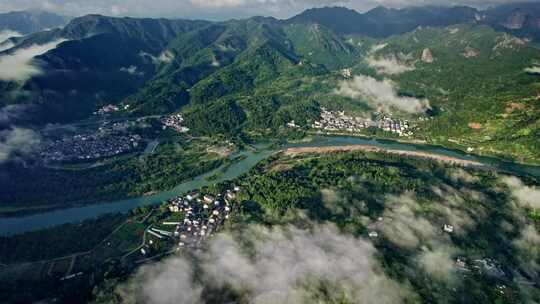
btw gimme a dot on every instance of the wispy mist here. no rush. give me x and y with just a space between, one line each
381 95
17 142
4 35
20 65
527 196
280 265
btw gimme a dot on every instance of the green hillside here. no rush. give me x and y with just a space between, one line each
478 86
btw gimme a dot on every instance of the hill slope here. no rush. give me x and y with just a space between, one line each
28 22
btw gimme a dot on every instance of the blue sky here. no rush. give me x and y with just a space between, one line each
215 9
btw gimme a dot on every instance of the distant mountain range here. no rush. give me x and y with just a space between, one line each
522 19
27 22
161 65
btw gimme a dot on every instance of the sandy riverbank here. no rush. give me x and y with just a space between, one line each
367 148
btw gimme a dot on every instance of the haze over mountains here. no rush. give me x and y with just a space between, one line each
27 22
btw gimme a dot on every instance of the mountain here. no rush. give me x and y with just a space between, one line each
27 22
383 22
479 81
100 60
267 72
152 64
521 19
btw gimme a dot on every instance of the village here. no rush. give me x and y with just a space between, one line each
194 217
339 121
111 139
174 122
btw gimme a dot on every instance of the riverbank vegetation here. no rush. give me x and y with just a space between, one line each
172 162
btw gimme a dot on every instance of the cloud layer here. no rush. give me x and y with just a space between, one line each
381 95
5 34
17 142
525 196
19 66
389 65
282 265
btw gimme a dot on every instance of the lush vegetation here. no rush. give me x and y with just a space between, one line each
361 191
57 241
358 192
484 100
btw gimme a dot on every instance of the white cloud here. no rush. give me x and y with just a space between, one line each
219 3
215 63
527 196
389 65
11 112
532 70
439 262
133 70
19 65
17 141
528 247
6 45
280 265
165 57
381 95
5 34
462 176
403 226
170 282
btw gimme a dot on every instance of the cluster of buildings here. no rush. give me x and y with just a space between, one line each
339 121
174 122
85 147
486 266
108 109
202 215
397 126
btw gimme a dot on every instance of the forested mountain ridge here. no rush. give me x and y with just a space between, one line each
27 22
383 22
521 19
481 83
287 70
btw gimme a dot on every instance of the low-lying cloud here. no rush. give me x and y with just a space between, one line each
16 142
163 57
20 65
532 70
439 262
132 70
403 227
528 247
381 95
389 65
282 265
526 196
4 35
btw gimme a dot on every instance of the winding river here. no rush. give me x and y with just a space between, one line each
18 225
